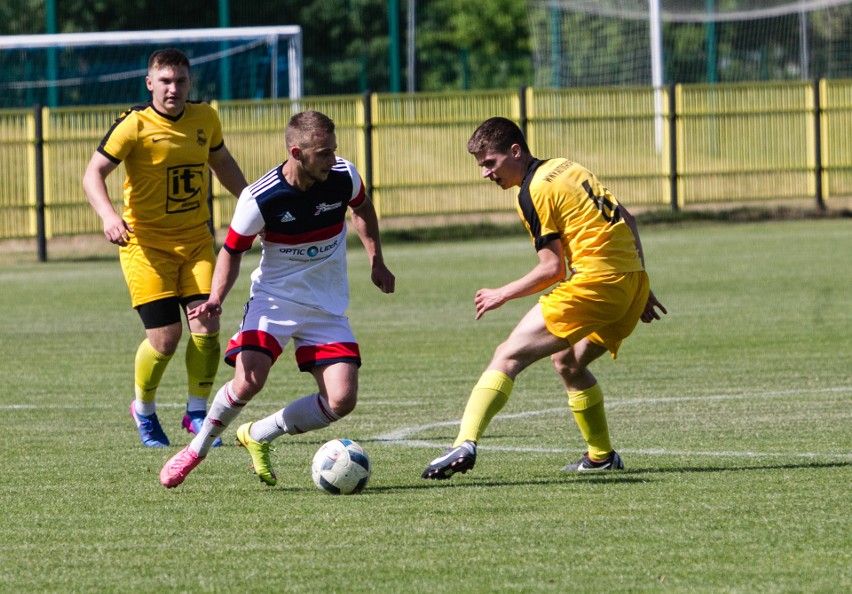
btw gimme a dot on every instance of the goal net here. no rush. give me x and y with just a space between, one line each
582 43
109 68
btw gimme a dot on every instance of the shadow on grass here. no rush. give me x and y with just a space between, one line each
751 467
474 484
631 476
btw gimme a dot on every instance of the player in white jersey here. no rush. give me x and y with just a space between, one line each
299 291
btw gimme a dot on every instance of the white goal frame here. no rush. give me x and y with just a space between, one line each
292 34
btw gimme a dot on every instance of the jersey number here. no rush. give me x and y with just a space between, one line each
609 211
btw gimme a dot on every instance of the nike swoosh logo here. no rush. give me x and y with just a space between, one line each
453 452
440 459
158 139
584 468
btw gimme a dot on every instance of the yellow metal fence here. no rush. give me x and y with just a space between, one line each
667 148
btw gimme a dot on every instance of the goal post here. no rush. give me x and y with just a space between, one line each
107 68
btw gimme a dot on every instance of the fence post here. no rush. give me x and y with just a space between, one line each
818 170
673 175
522 107
368 144
211 223
41 230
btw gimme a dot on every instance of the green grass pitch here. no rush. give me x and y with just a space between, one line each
732 415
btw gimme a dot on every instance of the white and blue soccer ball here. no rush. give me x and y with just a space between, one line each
341 467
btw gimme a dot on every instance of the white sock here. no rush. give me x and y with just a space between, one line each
145 408
195 404
308 413
300 416
269 428
224 409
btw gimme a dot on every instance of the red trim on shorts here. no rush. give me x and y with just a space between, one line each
252 340
308 357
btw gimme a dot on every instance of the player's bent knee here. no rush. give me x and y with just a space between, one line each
565 369
165 339
245 388
343 404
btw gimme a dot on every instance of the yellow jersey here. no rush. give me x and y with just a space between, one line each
166 182
560 199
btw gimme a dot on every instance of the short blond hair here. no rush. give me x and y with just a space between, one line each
303 126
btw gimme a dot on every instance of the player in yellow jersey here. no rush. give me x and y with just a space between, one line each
588 247
165 244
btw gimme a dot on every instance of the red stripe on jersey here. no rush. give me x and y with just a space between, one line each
357 200
294 239
252 340
308 357
238 243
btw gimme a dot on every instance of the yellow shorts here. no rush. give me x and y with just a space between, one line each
604 309
154 273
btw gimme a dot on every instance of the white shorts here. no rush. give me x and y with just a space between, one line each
320 338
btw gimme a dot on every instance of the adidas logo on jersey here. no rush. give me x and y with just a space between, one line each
287 217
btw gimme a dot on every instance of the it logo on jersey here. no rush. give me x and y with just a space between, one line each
200 137
184 188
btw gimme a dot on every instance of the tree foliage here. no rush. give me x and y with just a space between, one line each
473 44
346 44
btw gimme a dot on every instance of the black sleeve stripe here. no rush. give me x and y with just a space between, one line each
542 241
530 213
112 128
118 120
108 156
213 149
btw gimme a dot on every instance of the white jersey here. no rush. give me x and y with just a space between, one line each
303 236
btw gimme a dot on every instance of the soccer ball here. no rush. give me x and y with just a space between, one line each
341 467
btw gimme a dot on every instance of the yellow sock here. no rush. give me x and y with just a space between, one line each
149 369
202 363
487 398
588 408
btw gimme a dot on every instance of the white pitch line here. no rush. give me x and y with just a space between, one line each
610 403
411 443
401 436
174 405
102 406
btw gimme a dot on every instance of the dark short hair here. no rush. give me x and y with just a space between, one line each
304 125
497 134
168 57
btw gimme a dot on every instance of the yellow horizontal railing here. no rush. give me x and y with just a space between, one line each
681 146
